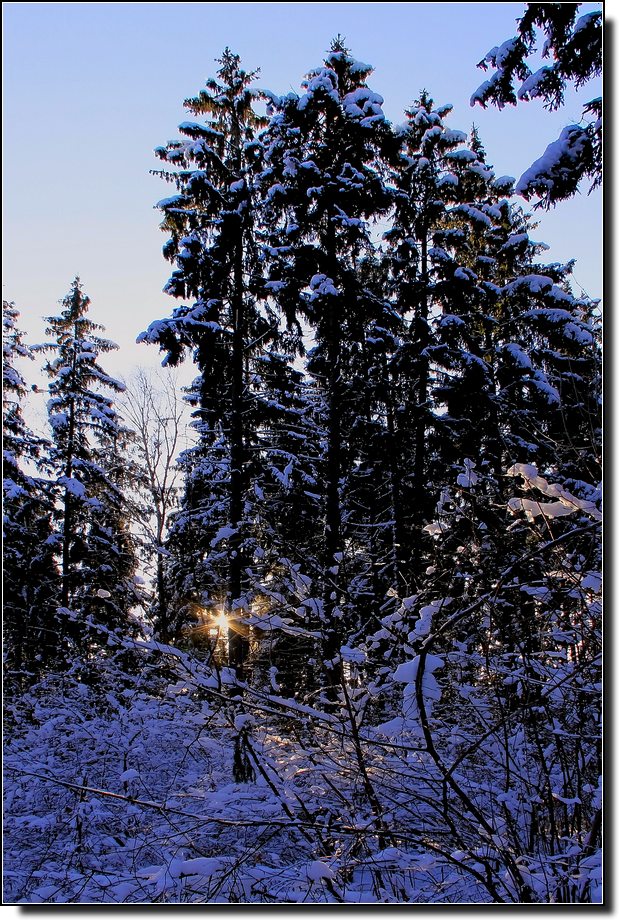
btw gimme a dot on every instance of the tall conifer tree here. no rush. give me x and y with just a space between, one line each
30 576
96 553
210 222
322 187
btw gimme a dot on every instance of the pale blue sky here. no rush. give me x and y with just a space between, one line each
91 88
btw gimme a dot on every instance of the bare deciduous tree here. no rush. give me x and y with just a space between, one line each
155 411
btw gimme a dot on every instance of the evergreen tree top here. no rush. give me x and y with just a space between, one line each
18 439
76 346
13 347
339 76
228 97
72 326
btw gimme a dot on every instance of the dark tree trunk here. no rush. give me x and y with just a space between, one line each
238 644
162 598
65 593
398 533
331 631
420 460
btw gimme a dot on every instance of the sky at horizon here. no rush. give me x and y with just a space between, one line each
91 88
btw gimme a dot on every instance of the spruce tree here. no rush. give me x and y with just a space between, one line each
210 222
433 172
279 546
322 187
30 579
97 559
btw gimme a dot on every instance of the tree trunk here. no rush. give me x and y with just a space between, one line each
331 631
398 534
419 462
65 594
162 599
238 644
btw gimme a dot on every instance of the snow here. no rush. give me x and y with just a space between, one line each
536 284
499 56
362 102
323 81
345 221
515 239
322 285
464 155
566 502
530 88
224 533
317 870
476 215
193 129
407 673
584 21
73 486
128 775
202 865
276 189
172 202
435 529
560 157
505 183
518 355
197 837
478 169
423 625
353 655
454 137
469 477
283 477
354 66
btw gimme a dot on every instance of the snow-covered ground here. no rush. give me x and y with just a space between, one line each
123 792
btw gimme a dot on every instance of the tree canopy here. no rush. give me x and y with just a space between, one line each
573 45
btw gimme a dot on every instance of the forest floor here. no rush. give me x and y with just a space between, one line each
125 797
124 792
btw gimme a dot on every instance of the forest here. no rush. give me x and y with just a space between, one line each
344 644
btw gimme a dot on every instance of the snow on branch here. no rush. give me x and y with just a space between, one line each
565 503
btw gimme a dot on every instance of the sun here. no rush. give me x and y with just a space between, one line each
221 621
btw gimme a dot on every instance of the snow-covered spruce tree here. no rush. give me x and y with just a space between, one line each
210 222
514 350
430 171
97 557
322 186
501 680
514 357
286 562
435 175
573 43
31 579
479 312
111 561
